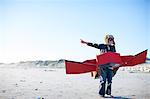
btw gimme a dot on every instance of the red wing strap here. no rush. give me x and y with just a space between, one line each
109 57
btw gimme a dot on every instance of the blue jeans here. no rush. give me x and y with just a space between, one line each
106 74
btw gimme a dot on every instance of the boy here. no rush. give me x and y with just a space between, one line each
105 71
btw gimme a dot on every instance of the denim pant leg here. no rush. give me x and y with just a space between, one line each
109 79
103 76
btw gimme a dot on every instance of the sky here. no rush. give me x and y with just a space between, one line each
52 29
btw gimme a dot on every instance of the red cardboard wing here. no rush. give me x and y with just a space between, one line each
79 67
73 67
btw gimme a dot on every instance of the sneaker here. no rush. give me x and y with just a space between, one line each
102 96
109 96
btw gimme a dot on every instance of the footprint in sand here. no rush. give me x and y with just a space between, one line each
22 80
36 89
59 95
61 91
49 89
41 82
3 91
16 85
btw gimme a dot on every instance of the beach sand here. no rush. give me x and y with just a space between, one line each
53 83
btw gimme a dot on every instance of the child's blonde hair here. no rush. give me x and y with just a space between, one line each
107 37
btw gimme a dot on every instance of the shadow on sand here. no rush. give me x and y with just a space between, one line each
117 97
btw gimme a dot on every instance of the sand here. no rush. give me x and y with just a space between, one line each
53 83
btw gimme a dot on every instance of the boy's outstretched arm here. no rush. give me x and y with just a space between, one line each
83 42
90 44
